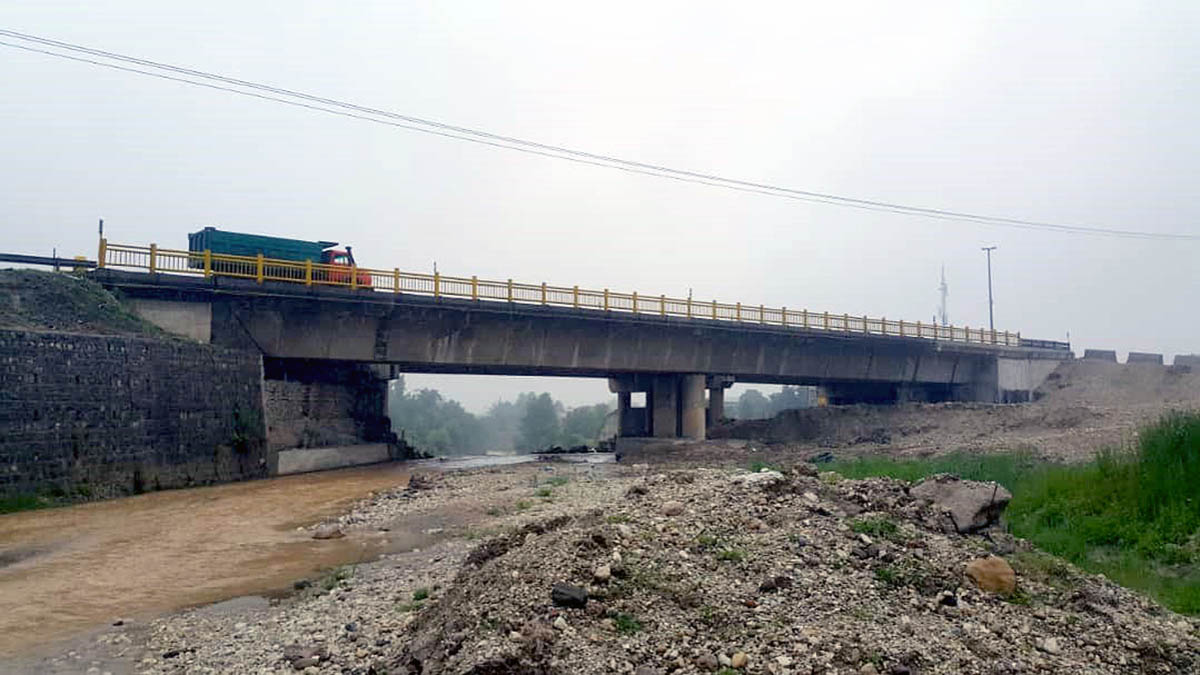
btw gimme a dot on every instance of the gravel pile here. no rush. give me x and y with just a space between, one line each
701 570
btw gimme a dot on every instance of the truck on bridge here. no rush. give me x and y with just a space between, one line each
330 264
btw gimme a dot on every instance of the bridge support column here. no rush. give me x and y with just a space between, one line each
664 406
716 406
691 393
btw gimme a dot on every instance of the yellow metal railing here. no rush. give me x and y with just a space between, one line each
205 263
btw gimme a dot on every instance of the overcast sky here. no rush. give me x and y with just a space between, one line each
1028 110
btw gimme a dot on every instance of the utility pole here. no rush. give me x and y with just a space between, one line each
942 310
991 317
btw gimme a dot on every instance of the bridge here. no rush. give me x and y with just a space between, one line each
301 315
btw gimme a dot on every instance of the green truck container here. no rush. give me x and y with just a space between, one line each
334 267
250 245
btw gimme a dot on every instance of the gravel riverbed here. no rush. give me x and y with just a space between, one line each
554 567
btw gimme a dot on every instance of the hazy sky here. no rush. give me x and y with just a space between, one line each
1023 109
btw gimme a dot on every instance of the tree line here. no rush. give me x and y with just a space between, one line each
441 426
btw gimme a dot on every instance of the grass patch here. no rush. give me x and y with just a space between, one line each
618 518
759 465
17 503
523 505
732 555
336 576
544 492
420 594
558 481
1133 515
876 526
626 624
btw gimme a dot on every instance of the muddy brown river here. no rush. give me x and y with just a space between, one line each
68 570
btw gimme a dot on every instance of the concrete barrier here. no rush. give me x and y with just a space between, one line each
1144 357
303 460
1100 355
1192 360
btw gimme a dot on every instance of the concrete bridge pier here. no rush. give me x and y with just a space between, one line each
675 405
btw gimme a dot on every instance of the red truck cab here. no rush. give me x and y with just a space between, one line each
339 258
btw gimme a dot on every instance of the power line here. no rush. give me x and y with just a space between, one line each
408 122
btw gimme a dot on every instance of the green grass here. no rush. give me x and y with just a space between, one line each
420 594
876 526
558 481
544 492
22 503
1132 515
336 576
732 555
626 624
759 465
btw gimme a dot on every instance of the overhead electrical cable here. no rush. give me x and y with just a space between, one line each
408 122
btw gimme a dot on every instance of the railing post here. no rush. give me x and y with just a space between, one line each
207 263
510 291
437 285
153 257
259 271
474 287
354 277
662 305
762 314
845 322
865 330
783 316
575 296
738 315
714 310
308 276
543 292
102 253
689 307
901 327
804 319
826 320
395 279
606 299
635 302
993 336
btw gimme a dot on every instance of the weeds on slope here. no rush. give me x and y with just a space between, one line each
1132 514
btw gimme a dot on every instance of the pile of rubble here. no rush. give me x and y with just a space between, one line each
702 570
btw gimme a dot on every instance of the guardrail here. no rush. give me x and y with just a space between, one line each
209 264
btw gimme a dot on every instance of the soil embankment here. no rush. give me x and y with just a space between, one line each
1082 407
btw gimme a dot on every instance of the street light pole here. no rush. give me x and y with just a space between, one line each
991 317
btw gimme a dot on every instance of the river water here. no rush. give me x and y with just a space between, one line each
67 571
64 571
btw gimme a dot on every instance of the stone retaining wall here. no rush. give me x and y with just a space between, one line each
84 415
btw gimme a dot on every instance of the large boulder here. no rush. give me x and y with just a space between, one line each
969 505
992 574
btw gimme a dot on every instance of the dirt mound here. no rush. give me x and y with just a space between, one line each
33 300
1083 407
1058 431
1111 385
782 574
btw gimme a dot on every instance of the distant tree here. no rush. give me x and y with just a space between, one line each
539 425
791 398
584 424
752 405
